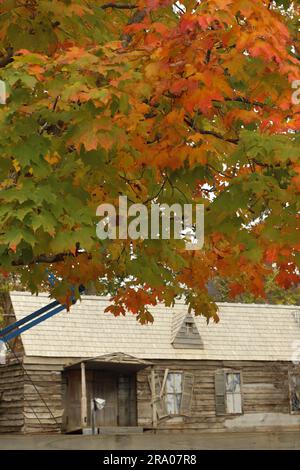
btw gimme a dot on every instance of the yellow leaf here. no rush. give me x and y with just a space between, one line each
152 70
16 165
52 159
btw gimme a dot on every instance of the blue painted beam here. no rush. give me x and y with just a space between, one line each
14 330
18 331
28 318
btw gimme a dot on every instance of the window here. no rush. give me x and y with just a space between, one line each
228 392
189 328
173 392
295 393
233 392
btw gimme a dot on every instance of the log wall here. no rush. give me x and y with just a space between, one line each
33 402
11 397
43 398
265 394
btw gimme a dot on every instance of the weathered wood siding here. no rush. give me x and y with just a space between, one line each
11 397
265 394
43 395
39 408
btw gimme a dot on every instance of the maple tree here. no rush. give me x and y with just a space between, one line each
172 104
274 294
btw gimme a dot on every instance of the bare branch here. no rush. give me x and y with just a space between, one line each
158 193
213 133
48 259
136 18
120 6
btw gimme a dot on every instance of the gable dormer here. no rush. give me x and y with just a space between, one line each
185 334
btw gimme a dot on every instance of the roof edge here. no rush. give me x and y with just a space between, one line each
179 302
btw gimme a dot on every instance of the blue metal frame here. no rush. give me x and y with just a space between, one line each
17 331
33 315
13 330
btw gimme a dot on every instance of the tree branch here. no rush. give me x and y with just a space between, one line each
120 6
240 99
218 136
43 259
158 193
136 18
213 133
6 59
219 172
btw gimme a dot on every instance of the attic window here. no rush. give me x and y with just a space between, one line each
189 327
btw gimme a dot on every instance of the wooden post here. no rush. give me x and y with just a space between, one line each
93 411
153 398
83 397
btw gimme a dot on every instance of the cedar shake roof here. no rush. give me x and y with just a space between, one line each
245 331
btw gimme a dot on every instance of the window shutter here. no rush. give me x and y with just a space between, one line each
187 394
164 383
159 401
220 392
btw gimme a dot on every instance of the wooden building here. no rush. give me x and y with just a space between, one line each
178 373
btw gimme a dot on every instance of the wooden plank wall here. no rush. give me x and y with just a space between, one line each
43 396
265 390
11 397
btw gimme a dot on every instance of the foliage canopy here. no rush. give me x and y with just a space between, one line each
186 104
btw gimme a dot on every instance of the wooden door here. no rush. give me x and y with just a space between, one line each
127 400
118 391
105 385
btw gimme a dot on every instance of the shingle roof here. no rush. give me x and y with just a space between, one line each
177 320
245 331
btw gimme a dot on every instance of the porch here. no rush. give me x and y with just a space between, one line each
100 395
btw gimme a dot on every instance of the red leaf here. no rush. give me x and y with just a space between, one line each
271 254
235 289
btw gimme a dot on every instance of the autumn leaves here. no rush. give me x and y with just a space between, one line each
195 109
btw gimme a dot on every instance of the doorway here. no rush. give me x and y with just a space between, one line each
117 389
